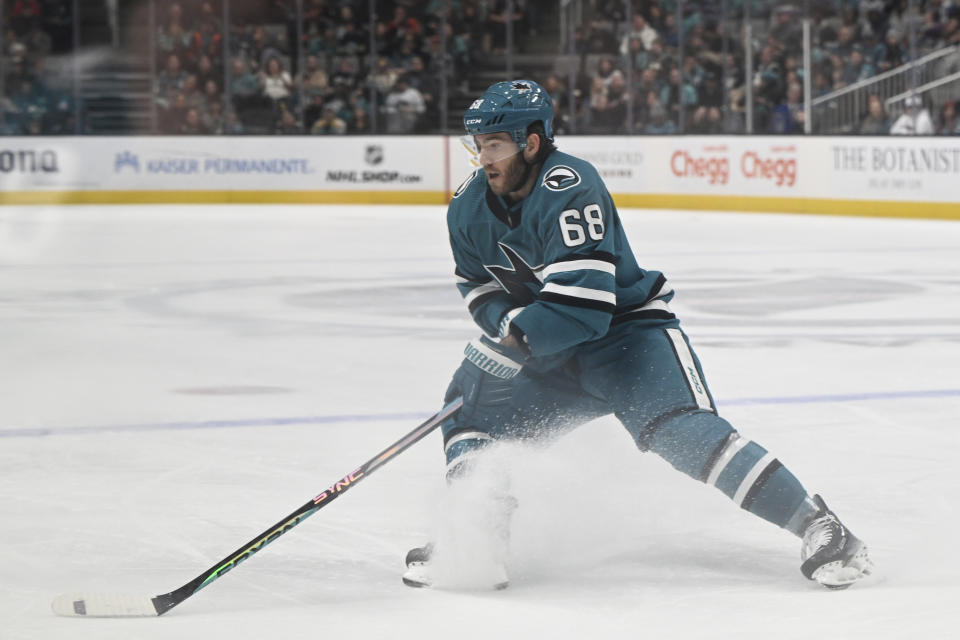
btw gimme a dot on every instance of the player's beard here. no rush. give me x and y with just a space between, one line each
513 176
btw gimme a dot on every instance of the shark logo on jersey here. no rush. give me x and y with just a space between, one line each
466 183
561 177
516 280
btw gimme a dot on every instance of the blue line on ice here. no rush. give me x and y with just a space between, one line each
27 432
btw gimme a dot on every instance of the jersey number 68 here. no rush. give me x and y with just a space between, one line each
573 222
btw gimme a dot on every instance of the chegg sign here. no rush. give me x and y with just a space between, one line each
778 165
712 165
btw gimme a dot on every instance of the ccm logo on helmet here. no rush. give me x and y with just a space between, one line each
561 177
474 121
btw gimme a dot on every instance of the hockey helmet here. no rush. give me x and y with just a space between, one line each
511 106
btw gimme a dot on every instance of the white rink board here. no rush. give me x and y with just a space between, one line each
273 163
891 168
853 175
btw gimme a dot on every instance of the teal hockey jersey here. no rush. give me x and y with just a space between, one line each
556 265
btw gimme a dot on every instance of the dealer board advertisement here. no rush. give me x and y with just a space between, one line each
367 164
916 176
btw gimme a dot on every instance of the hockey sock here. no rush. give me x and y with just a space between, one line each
705 446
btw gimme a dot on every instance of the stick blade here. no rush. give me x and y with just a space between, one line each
103 605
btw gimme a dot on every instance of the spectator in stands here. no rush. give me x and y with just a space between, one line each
345 77
856 67
212 117
207 21
711 93
172 37
930 34
402 28
877 123
915 120
195 98
205 71
173 119
351 40
258 47
787 28
893 54
384 77
659 124
170 81
232 126
706 120
313 111
360 123
677 95
276 83
608 104
821 83
497 20
206 35
641 30
329 123
788 116
418 78
949 123
211 94
288 123
312 79
605 69
557 89
319 15
404 105
192 125
245 90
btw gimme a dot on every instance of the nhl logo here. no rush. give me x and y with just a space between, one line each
560 178
374 154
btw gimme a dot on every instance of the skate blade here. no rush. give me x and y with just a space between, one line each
418 584
838 576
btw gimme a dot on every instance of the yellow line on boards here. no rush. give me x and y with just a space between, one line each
220 197
874 208
870 208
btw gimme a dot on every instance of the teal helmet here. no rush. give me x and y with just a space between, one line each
511 106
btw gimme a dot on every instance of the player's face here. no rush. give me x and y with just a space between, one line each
501 160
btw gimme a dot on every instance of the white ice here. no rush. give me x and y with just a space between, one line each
174 380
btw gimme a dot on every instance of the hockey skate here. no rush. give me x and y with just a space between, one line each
831 554
420 572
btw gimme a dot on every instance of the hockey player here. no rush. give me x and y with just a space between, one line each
576 329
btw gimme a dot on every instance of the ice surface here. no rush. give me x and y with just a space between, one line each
177 379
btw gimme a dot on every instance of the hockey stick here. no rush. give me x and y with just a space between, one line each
114 605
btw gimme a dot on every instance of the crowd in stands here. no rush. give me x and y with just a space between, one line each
34 98
851 40
262 72
332 91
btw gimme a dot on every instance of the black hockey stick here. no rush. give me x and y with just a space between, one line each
115 605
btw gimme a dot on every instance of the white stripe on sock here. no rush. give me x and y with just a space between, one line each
751 477
739 442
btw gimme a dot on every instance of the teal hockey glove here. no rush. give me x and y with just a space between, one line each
485 380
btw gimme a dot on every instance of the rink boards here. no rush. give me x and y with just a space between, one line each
875 176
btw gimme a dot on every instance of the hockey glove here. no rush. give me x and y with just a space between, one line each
485 380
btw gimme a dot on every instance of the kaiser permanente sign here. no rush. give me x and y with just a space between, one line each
888 176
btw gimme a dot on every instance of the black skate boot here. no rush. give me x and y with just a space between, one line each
419 573
418 570
831 554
